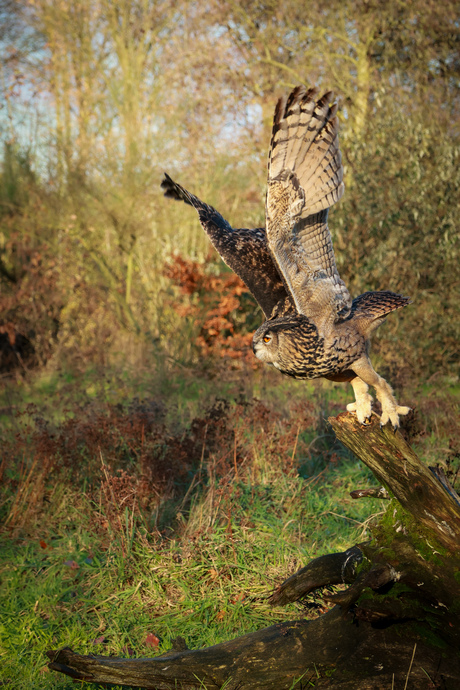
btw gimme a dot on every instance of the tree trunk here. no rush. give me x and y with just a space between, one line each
396 625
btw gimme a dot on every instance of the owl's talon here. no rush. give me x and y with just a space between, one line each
352 407
391 412
362 407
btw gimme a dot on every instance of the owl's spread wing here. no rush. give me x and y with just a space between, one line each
244 251
304 179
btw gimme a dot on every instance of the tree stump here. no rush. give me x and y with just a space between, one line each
395 626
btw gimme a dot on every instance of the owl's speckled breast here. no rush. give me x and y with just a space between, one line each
303 354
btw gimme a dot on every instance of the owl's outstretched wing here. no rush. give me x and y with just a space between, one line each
244 251
304 179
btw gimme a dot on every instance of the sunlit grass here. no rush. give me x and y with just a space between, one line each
65 584
109 573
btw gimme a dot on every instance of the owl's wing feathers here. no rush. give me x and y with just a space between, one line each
244 251
371 308
304 179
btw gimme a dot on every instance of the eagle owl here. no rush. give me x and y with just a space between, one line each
313 328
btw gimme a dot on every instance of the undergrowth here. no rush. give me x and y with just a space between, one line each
129 521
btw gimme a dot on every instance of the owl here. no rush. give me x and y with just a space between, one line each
313 328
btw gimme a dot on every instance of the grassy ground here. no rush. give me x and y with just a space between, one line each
134 514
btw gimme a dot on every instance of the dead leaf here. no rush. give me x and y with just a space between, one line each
152 640
239 597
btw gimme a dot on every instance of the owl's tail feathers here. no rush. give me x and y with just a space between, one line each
174 191
305 143
372 308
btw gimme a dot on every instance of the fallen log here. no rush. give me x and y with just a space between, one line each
396 625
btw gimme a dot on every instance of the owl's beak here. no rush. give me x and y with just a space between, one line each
259 351
255 347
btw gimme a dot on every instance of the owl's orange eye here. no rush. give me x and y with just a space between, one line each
267 338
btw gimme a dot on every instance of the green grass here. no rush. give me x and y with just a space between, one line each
56 392
207 582
92 559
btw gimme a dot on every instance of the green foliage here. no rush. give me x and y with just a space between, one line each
396 229
16 178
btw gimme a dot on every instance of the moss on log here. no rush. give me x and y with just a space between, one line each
394 464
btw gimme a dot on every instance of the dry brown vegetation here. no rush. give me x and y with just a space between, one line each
133 457
101 98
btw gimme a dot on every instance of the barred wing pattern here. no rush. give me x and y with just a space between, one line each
244 251
313 328
373 307
304 179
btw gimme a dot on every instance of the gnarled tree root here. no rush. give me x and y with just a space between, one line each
331 569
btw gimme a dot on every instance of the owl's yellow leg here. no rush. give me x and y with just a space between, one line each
390 408
363 405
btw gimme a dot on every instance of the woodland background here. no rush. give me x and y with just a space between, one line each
150 468
99 98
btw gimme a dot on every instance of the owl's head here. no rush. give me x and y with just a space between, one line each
273 338
265 343
288 343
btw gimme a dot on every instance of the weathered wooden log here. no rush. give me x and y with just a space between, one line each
331 651
398 619
379 492
331 569
270 658
395 465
